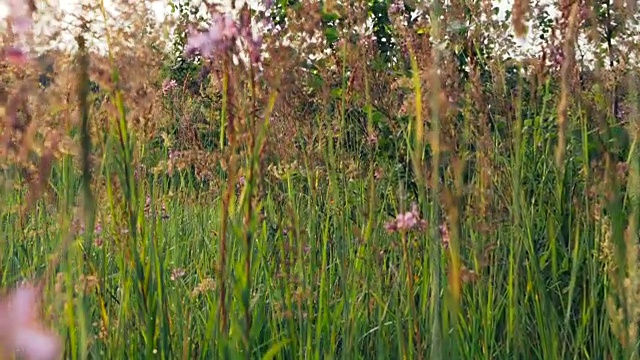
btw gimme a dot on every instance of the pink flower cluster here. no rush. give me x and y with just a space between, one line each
407 221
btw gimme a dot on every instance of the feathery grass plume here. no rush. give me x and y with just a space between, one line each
86 146
568 66
519 14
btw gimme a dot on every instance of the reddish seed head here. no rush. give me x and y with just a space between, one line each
444 235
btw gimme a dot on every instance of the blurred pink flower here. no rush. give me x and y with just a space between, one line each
20 15
21 23
168 85
407 221
20 330
226 34
15 55
220 36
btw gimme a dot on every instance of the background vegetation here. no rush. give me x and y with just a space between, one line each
327 180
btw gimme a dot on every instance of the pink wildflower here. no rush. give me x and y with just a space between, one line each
407 221
220 36
20 15
227 34
168 86
20 330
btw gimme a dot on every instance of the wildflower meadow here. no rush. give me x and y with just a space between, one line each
303 179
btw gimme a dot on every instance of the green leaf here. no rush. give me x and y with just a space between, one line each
275 349
316 82
331 34
330 16
377 117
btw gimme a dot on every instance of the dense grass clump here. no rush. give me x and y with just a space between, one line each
378 179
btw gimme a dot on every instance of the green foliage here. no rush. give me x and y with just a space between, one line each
382 28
